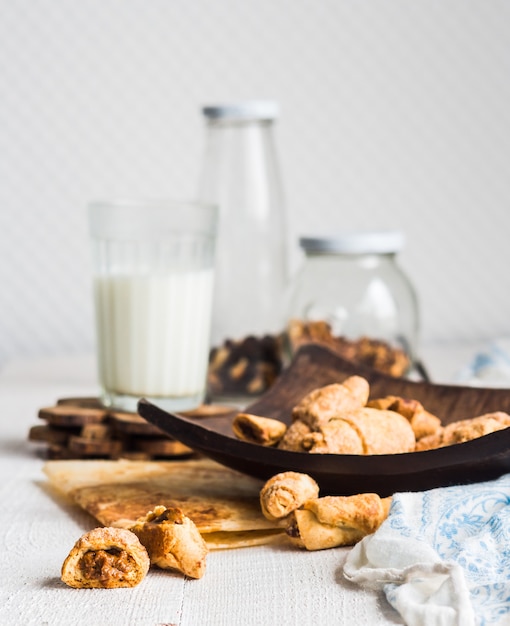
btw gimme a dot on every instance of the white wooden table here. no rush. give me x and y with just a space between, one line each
263 586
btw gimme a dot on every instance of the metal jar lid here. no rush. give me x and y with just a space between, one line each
362 242
249 110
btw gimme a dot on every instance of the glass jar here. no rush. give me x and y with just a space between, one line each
240 174
352 295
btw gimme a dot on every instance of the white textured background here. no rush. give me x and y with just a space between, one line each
395 113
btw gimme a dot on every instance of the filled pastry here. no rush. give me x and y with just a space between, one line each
255 429
293 438
422 422
334 521
361 431
106 558
325 403
286 492
316 523
172 541
465 430
335 437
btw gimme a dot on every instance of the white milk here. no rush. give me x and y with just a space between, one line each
153 333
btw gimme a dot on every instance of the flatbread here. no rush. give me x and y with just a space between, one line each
223 504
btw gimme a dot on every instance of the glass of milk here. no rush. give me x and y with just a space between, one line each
153 287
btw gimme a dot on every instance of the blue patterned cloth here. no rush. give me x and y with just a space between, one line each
443 556
489 368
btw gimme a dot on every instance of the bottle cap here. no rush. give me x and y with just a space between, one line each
250 110
363 242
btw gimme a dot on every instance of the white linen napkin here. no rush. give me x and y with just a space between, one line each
442 557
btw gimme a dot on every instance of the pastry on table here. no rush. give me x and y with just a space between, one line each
172 541
333 521
106 558
318 523
285 492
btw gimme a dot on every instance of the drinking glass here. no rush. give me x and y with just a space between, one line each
153 265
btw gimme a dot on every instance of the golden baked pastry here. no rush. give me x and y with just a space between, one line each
172 541
422 422
255 429
286 492
334 521
381 432
106 558
364 431
293 437
325 403
335 437
334 420
465 430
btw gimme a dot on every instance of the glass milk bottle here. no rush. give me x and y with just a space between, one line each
240 174
351 294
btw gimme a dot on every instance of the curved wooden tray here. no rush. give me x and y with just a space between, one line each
314 366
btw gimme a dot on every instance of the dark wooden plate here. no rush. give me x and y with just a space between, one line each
314 366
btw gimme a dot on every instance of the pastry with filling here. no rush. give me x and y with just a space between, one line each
422 422
325 403
465 430
293 438
335 437
172 541
381 432
285 492
255 429
106 558
334 521
364 431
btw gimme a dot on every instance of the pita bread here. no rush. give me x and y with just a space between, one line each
223 504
